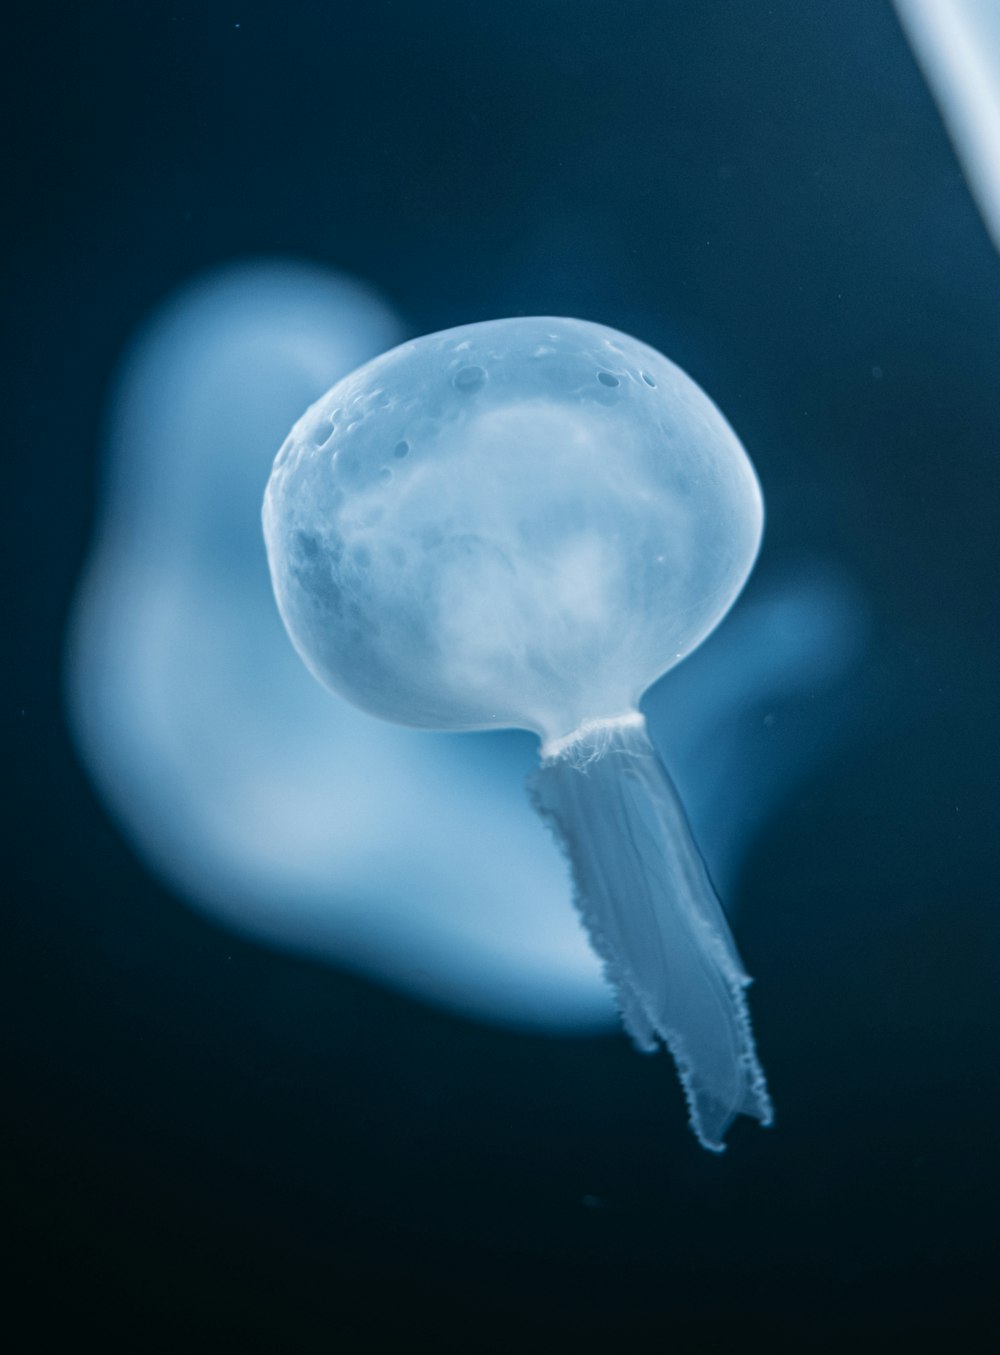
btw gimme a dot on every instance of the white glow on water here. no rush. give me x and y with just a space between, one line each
282 811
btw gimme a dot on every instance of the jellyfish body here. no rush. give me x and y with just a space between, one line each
524 523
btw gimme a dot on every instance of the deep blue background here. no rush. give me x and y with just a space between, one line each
209 1144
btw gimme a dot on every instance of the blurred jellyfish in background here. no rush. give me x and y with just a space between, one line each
409 856
957 43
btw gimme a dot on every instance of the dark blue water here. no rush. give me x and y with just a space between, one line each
210 1144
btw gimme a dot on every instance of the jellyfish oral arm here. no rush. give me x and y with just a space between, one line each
653 916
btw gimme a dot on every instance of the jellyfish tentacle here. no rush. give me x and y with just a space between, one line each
653 916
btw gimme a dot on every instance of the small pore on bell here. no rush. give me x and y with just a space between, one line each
469 379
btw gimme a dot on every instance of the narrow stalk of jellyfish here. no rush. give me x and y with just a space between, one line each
652 915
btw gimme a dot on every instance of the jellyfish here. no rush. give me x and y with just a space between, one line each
957 43
524 523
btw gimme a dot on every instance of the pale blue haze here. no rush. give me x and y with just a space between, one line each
288 814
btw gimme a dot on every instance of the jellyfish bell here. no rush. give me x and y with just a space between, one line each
518 523
525 523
